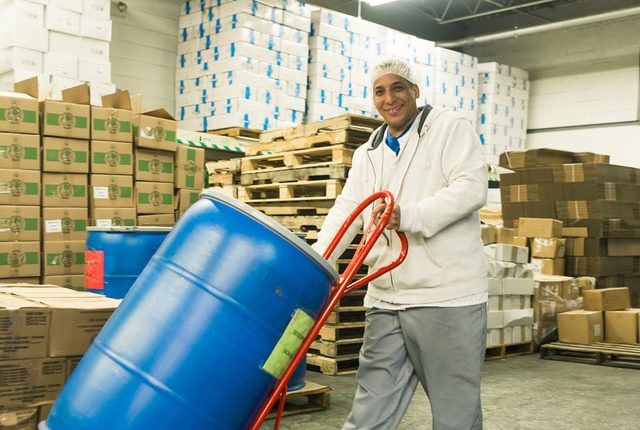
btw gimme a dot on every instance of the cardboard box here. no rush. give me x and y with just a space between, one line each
19 151
547 247
109 157
72 363
154 197
111 191
19 111
19 419
487 231
189 171
107 217
623 247
34 292
25 328
113 121
62 224
64 190
580 326
606 299
621 326
74 282
539 227
69 117
19 259
19 187
599 266
65 155
504 252
19 223
547 266
184 199
26 280
592 172
165 220
155 129
63 258
154 166
534 157
31 381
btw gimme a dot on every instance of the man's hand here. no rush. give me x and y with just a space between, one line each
394 220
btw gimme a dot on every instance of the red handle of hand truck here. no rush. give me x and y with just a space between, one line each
340 290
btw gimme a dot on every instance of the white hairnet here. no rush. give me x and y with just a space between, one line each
395 66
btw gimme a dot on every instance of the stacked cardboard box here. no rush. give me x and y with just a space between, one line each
242 63
20 183
503 98
510 313
155 147
189 177
456 82
50 327
64 43
111 179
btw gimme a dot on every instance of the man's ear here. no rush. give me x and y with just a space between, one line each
416 90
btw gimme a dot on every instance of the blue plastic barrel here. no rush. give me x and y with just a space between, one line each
208 327
115 257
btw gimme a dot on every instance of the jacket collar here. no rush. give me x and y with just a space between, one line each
379 136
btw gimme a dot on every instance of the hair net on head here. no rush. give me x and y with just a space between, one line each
395 66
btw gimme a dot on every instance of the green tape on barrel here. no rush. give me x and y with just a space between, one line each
288 344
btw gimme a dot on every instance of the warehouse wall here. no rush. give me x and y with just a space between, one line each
143 50
585 92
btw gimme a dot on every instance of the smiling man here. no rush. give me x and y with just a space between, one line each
426 319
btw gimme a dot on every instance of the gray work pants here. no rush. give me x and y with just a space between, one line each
442 348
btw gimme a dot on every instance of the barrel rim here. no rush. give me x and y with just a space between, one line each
130 229
276 227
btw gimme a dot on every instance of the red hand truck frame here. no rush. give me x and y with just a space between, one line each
340 290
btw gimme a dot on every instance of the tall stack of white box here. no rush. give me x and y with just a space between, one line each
242 63
456 82
62 42
503 97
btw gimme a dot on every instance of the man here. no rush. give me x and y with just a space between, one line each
426 319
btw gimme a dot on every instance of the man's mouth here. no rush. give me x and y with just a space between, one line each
394 110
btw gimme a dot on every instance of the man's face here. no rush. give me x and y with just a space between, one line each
395 99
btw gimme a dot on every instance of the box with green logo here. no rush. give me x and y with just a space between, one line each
189 167
111 191
64 224
63 257
155 166
108 217
19 259
184 199
155 129
110 157
19 151
75 282
19 110
113 120
69 117
65 155
19 187
64 190
19 223
160 220
154 198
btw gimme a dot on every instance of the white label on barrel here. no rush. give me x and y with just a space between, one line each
103 222
100 192
53 226
288 344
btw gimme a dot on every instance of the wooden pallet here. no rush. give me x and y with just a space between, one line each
300 223
354 298
342 331
339 348
224 166
346 137
333 366
355 122
310 398
247 133
606 354
503 351
286 174
291 191
347 314
309 157
301 207
222 178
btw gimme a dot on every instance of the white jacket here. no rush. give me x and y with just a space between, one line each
439 183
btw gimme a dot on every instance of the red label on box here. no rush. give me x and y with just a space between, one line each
94 270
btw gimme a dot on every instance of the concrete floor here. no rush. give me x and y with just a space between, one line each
518 393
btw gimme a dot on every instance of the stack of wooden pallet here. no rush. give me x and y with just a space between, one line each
294 176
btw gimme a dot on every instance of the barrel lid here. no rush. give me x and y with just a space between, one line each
277 228
131 229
